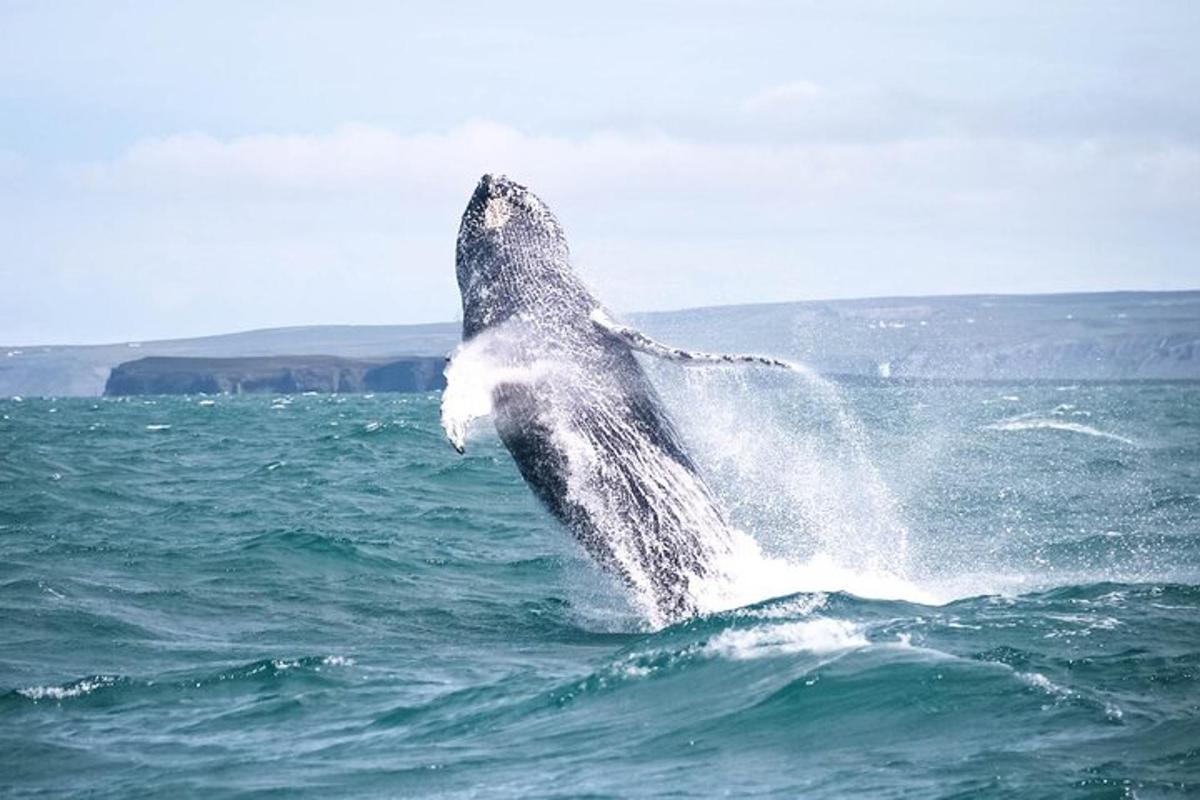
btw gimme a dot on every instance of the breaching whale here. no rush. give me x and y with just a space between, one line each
575 408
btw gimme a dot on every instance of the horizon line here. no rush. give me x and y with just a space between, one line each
869 298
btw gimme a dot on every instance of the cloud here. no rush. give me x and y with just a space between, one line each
193 233
653 169
877 112
786 95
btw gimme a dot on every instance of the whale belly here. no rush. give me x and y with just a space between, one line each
607 463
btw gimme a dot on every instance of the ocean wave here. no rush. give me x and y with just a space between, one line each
822 635
66 691
1040 423
257 671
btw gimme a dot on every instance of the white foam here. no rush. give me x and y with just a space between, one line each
77 689
1040 681
752 577
162 427
799 606
1025 423
821 635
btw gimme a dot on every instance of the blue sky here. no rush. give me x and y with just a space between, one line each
172 169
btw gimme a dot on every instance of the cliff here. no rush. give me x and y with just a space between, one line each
275 374
1097 336
82 370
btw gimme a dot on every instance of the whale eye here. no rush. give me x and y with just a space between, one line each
496 213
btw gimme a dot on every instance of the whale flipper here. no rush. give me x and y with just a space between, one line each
636 340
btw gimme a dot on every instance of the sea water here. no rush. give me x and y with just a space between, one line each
972 590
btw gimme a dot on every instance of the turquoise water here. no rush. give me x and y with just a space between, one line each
987 591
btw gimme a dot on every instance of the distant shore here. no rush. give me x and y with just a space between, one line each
275 374
1085 336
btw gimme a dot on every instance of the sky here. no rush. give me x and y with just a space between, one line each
181 169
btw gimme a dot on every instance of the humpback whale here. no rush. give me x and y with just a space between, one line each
576 410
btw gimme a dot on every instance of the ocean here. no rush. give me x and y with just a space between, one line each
968 590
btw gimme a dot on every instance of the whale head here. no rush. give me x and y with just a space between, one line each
512 256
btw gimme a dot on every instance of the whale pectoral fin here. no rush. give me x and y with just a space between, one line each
458 409
636 340
455 428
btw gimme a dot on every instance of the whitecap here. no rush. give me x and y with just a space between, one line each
1035 423
798 606
160 427
821 635
77 689
1039 681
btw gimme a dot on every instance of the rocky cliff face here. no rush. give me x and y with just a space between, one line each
69 370
277 374
1104 336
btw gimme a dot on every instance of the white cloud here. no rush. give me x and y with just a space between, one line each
654 178
873 112
194 233
784 95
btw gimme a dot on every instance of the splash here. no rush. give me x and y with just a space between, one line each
793 465
474 372
643 513
802 482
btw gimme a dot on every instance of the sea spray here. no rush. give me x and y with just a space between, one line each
795 466
840 503
637 507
